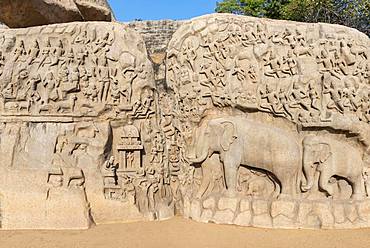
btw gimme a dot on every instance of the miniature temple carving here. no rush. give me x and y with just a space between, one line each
130 149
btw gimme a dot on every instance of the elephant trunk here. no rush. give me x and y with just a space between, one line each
309 172
199 159
199 148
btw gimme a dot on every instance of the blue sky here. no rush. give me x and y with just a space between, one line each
128 10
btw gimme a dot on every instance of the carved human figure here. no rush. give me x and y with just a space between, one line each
284 108
45 58
331 88
350 94
51 86
157 149
33 52
332 158
109 169
57 54
20 52
275 66
130 159
314 96
298 97
290 64
269 99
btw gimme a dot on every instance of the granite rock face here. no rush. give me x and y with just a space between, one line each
241 120
19 13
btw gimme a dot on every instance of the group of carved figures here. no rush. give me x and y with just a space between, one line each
61 75
238 66
144 180
313 102
281 72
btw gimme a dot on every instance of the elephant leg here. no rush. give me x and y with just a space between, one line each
288 186
357 188
203 186
231 171
231 163
324 183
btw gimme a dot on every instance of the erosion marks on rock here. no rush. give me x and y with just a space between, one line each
280 110
255 123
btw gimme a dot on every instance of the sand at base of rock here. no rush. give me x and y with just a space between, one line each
180 232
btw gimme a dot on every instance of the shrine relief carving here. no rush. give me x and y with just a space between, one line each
257 123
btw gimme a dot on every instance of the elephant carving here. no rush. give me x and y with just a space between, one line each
243 142
331 158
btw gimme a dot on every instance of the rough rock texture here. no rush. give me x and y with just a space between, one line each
2 25
54 152
230 120
20 13
156 35
280 120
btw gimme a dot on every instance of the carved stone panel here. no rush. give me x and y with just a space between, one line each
256 123
273 121
80 128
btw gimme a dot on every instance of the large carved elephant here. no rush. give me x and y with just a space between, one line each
332 158
240 141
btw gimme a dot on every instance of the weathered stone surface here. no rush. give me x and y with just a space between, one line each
209 203
252 84
351 212
88 119
19 13
245 205
206 215
156 35
64 141
324 213
224 217
243 219
286 208
228 203
196 210
339 214
364 210
260 207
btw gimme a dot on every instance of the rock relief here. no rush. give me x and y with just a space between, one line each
257 123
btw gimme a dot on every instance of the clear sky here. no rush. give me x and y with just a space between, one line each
128 10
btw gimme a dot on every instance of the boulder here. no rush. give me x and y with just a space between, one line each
20 14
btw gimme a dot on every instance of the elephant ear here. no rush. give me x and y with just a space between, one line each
228 135
324 152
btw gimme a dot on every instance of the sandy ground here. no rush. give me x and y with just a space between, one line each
180 232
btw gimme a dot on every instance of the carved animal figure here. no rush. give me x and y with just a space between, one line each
68 104
45 107
332 158
240 141
12 106
20 105
24 105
